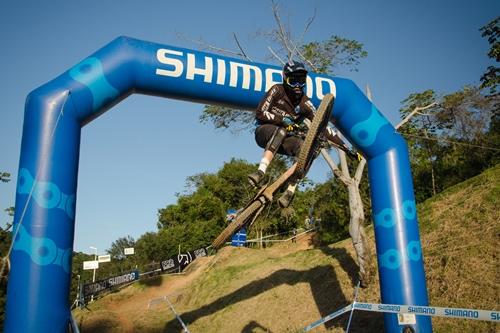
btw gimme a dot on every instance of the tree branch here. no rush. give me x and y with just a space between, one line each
334 167
281 32
305 59
241 49
359 171
308 24
275 55
206 46
343 164
416 110
330 162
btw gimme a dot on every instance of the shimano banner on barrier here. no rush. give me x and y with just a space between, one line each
408 313
180 261
104 285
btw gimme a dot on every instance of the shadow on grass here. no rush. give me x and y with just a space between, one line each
322 279
253 325
362 321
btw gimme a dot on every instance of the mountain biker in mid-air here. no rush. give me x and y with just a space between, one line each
278 115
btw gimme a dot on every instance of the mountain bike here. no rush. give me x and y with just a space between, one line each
314 141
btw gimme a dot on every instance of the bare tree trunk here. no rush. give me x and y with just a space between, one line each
356 212
429 151
418 110
358 234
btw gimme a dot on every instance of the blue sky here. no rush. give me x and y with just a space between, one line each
136 157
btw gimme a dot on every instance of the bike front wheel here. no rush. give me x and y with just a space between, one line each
318 125
237 224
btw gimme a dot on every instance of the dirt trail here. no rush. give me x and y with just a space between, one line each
119 310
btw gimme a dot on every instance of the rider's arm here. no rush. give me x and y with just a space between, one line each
264 113
334 137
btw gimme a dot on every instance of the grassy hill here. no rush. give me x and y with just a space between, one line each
283 288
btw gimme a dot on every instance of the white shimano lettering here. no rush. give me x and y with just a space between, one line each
270 73
247 70
309 87
221 71
320 92
188 64
192 70
162 56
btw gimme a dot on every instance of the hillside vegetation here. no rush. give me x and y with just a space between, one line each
283 288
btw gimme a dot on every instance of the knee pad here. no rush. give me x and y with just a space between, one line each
276 140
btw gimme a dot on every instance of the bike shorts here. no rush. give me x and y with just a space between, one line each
290 145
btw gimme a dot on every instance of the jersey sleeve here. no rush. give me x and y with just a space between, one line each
308 109
264 113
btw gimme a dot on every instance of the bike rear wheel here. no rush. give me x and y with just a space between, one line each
318 125
237 224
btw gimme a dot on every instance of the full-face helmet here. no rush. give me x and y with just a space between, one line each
294 75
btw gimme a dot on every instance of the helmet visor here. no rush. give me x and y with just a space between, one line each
296 81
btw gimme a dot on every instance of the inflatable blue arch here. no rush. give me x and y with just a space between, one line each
40 274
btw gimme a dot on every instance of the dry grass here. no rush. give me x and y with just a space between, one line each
286 287
461 249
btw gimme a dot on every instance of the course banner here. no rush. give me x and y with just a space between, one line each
433 311
180 261
104 285
407 313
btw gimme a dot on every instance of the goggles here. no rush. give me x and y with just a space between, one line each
296 81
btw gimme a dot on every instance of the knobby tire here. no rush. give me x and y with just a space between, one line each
237 224
318 124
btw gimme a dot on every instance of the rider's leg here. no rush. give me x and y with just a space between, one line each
256 177
269 137
287 197
266 160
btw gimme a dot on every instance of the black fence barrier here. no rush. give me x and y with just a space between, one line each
173 264
98 287
180 261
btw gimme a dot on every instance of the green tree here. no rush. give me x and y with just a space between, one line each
117 247
208 196
4 177
146 251
5 240
419 131
330 55
199 214
491 78
452 141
